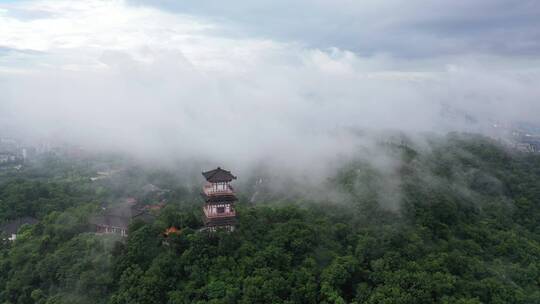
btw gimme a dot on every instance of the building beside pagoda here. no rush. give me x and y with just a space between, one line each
116 218
219 200
10 229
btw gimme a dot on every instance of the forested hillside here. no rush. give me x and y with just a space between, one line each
464 229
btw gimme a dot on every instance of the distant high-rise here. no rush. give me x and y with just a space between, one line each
219 200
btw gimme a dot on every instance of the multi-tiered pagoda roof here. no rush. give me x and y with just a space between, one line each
218 176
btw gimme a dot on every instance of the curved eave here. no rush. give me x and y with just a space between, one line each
218 198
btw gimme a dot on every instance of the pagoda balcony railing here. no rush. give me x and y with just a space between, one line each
219 215
211 190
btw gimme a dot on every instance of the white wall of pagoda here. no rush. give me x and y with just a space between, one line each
212 188
224 209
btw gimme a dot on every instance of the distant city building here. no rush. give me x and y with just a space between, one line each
525 147
523 137
24 153
533 141
8 158
8 145
219 197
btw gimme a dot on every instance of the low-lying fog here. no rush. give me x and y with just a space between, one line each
180 83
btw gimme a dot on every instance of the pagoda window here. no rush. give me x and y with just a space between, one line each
220 187
220 209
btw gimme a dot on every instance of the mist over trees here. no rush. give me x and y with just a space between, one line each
386 151
176 85
464 230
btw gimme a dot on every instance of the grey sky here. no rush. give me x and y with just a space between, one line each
416 28
283 81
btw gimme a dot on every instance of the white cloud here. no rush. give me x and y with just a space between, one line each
414 28
157 83
79 31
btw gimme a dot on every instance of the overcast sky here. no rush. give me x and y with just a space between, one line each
259 78
416 28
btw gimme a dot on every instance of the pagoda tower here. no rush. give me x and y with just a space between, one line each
219 200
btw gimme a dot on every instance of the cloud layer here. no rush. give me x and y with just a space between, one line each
416 28
180 83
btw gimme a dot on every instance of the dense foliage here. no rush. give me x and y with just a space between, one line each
466 230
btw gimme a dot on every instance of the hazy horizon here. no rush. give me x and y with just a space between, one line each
285 82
